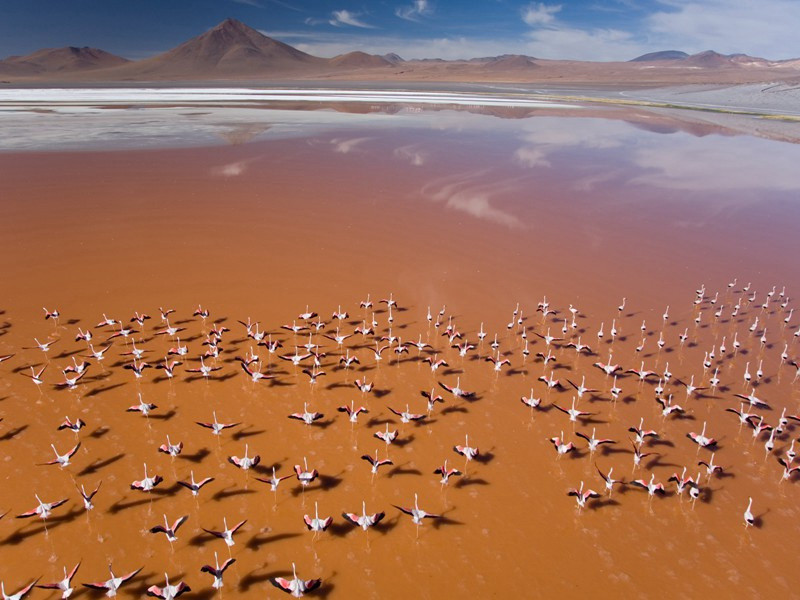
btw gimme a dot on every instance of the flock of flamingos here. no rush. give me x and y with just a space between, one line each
759 338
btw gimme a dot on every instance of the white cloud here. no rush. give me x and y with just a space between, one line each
472 194
345 17
765 28
346 146
255 3
418 9
333 44
583 44
412 154
540 13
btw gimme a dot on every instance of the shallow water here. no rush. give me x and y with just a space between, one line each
447 207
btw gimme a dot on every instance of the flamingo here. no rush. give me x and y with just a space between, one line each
582 497
432 398
594 442
387 436
296 587
352 411
24 591
170 530
75 426
641 433
87 497
711 468
246 462
531 401
574 413
446 473
749 519
65 585
195 486
168 592
36 376
364 520
111 585
560 446
273 481
466 450
407 416
456 390
416 513
143 407
651 487
148 483
582 389
701 439
609 480
63 459
217 570
304 476
216 427
788 469
375 462
226 534
307 417
316 524
43 510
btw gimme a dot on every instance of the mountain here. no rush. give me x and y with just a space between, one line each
711 59
231 49
359 60
510 62
394 58
663 55
56 60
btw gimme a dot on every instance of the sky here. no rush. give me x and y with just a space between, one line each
451 29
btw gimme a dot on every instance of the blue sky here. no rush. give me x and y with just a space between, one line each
570 29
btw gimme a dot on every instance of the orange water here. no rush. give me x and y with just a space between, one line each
263 229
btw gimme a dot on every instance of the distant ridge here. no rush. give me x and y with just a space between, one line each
510 62
359 59
663 55
233 51
56 60
394 58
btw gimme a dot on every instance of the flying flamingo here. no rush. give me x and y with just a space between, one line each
217 570
171 531
168 592
43 510
316 524
148 483
364 520
21 593
296 587
65 585
195 486
113 584
226 534
582 497
416 513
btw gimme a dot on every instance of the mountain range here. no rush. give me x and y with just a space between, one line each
235 51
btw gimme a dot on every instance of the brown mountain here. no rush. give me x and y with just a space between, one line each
662 55
231 49
711 59
359 60
234 51
510 62
58 60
